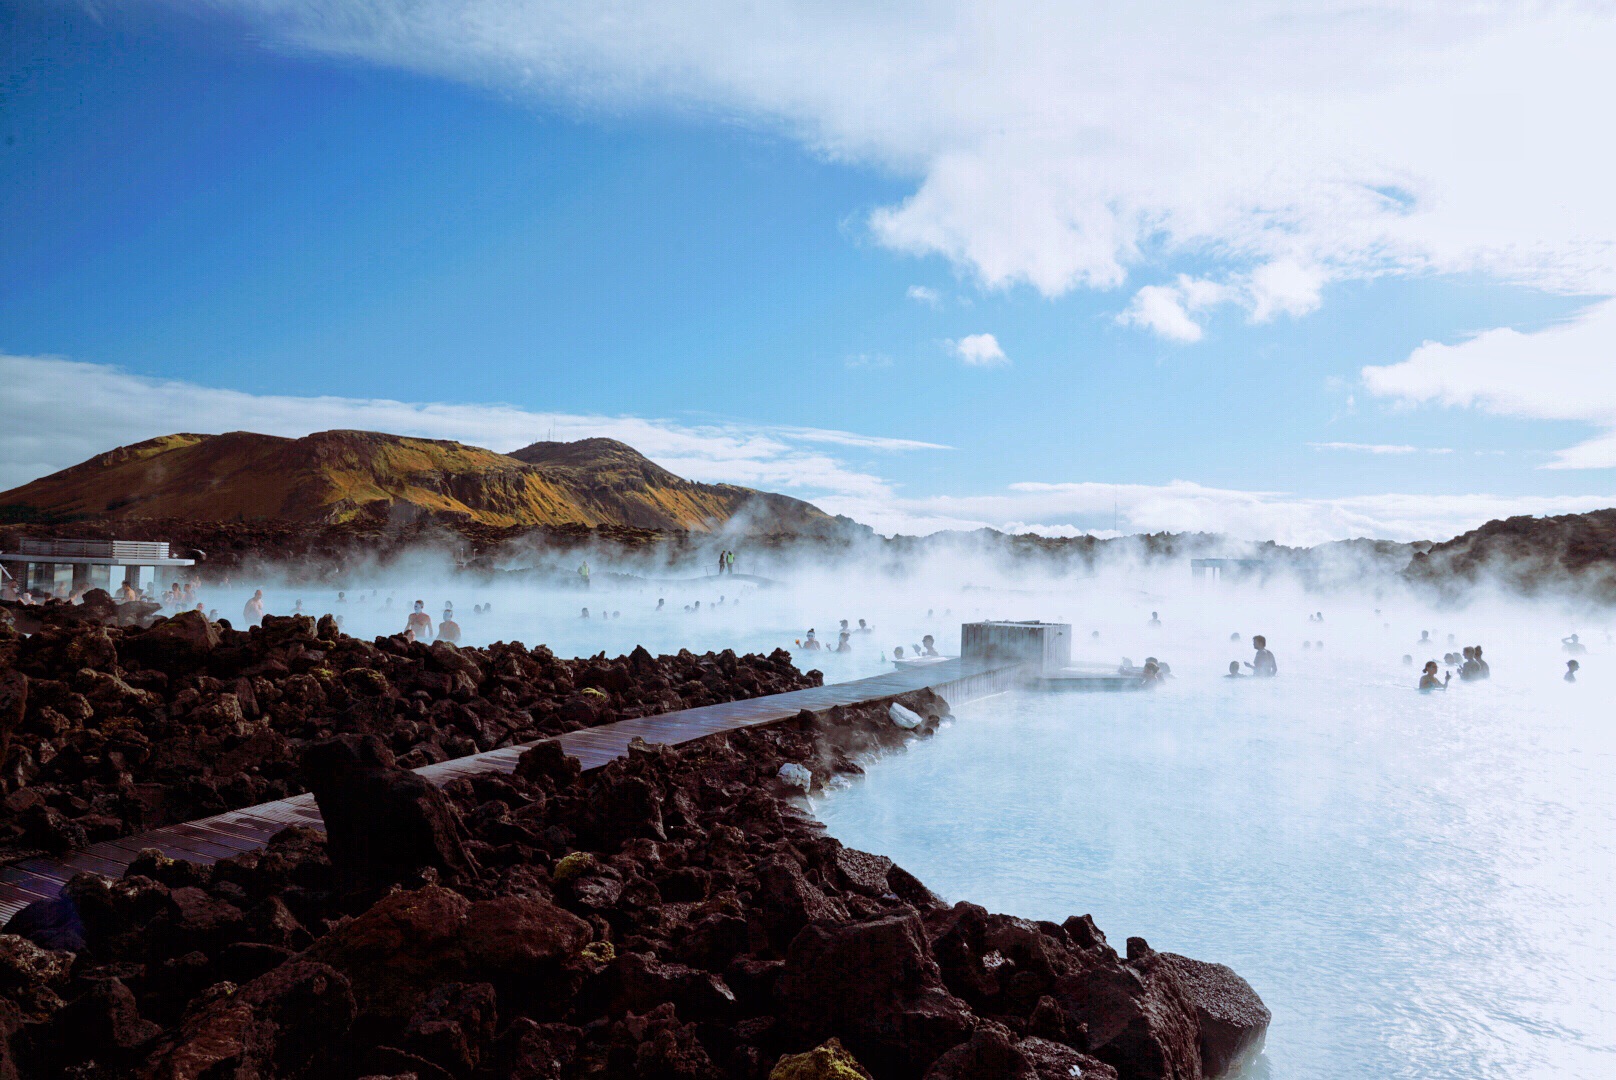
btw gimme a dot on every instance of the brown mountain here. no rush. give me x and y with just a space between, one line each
341 476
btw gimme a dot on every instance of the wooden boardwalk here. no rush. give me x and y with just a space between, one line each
232 833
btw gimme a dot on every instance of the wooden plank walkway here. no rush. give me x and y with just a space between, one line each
232 833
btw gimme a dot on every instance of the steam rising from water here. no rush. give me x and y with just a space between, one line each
1417 884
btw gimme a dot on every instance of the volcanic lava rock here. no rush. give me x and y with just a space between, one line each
673 914
828 1061
1233 1020
875 985
1056 1061
989 1054
383 823
122 728
13 706
276 1025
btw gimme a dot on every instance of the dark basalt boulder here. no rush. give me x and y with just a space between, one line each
276 1025
398 950
1056 1061
876 986
185 637
1233 1019
13 706
106 1024
383 823
412 941
989 1054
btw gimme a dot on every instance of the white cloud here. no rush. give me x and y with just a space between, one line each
979 350
1380 448
1564 372
1062 145
1277 288
55 413
1162 310
924 294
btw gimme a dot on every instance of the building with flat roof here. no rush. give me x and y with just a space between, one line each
63 567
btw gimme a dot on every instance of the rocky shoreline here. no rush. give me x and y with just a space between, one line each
109 727
676 914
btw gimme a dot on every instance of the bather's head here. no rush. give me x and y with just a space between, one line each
1259 642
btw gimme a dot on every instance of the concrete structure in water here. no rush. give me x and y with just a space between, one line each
60 567
1045 646
1044 653
1218 569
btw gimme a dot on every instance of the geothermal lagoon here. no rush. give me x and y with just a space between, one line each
1417 885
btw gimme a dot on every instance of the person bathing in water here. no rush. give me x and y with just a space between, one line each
929 644
1429 681
1573 646
420 622
1234 670
1262 663
1571 670
448 629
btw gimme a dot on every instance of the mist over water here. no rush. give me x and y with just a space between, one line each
1416 884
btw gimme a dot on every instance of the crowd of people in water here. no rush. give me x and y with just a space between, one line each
1467 662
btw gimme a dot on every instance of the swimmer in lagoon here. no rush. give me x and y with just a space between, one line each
1155 621
1408 660
1429 681
811 643
1486 668
1571 670
841 641
1151 675
1234 670
584 614
897 652
420 622
1573 646
1425 638
1235 636
1263 663
863 628
930 644
448 629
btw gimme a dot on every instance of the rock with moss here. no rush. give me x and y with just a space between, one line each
828 1061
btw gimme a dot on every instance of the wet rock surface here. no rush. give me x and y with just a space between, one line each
109 727
675 914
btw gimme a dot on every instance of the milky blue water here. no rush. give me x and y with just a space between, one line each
1418 886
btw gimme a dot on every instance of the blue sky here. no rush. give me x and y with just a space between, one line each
210 220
